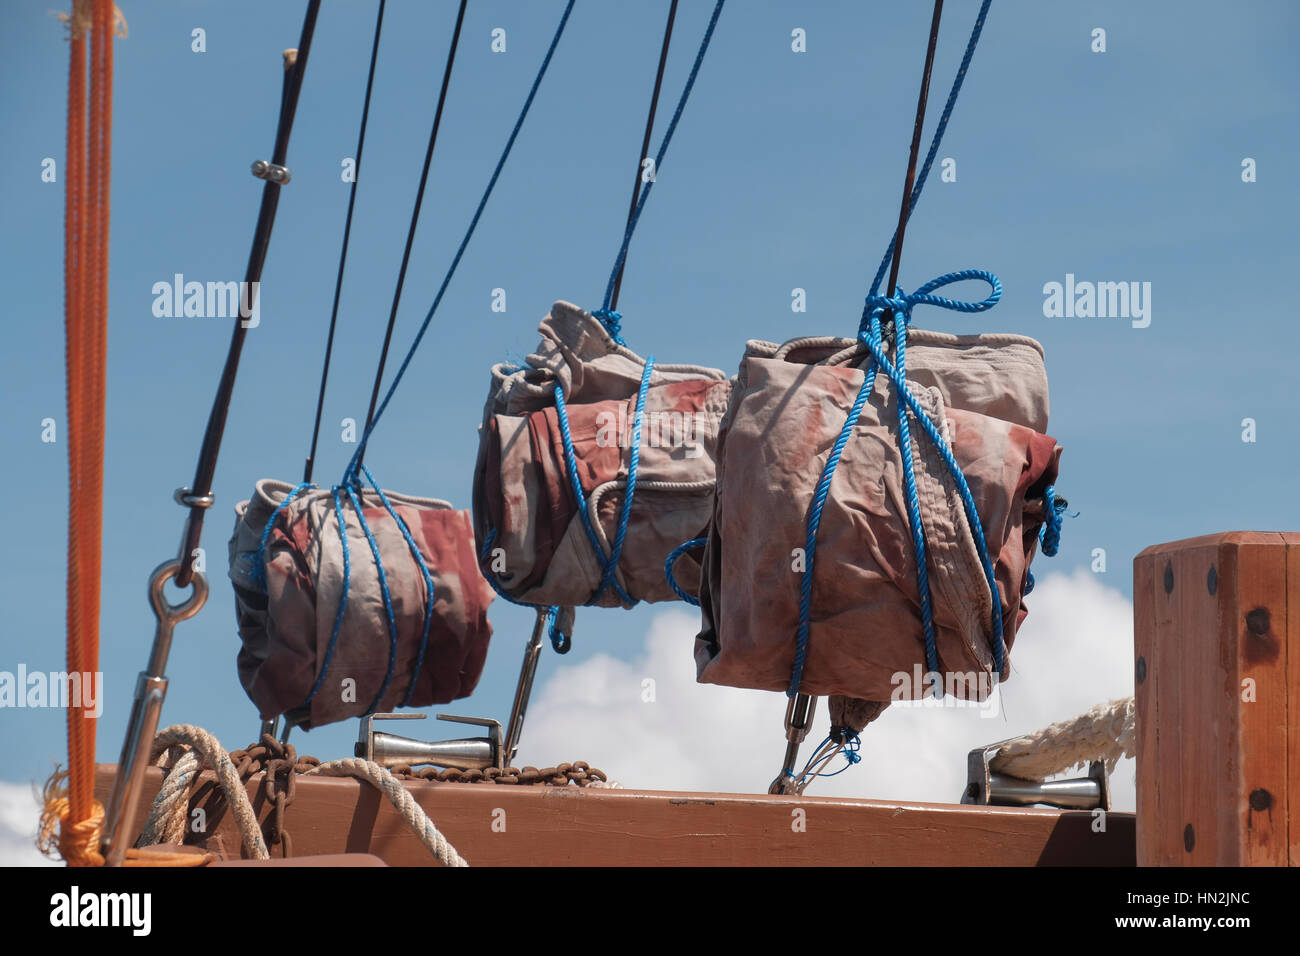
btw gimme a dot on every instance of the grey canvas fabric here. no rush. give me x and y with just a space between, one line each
287 626
988 395
531 537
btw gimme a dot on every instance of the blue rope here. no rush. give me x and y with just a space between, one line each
560 641
914 512
850 752
613 317
629 491
902 306
609 564
865 328
424 571
937 138
350 473
814 522
1049 535
259 576
388 600
259 562
343 601
612 321
672 561
1054 516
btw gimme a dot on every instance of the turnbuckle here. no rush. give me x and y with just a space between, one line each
150 691
799 714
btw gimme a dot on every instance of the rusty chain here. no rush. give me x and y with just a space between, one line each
579 774
281 765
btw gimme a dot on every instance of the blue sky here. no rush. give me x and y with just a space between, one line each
785 172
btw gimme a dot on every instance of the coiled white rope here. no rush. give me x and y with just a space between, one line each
167 817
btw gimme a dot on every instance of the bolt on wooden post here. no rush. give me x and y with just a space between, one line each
1217 671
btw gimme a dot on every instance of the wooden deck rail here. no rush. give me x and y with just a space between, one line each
494 825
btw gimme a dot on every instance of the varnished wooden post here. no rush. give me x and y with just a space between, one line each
1218 700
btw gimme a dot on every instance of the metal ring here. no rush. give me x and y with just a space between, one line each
186 498
186 609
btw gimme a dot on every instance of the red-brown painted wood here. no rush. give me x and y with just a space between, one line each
1217 695
493 825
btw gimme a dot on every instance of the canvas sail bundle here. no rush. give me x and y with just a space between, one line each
300 657
988 394
533 540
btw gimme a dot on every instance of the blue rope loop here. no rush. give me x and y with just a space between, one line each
561 642
902 305
609 563
677 552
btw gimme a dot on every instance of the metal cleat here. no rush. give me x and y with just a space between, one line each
986 787
466 753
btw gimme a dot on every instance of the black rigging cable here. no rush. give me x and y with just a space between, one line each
415 218
199 494
911 159
343 256
645 143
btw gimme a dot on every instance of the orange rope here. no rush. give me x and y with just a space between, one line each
78 842
69 795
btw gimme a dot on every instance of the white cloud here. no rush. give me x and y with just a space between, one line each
19 814
1074 651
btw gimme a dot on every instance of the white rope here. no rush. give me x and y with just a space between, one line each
167 818
171 804
1106 733
400 797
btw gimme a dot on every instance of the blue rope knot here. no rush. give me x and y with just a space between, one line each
1054 512
870 334
611 320
902 304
